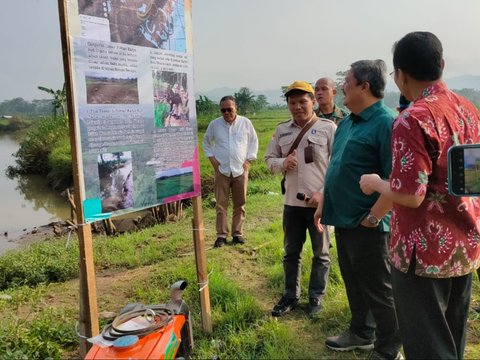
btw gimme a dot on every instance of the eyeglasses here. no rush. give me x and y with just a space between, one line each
229 110
392 74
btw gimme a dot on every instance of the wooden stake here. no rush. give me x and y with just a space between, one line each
88 317
201 263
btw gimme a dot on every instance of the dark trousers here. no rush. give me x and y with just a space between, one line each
432 314
296 221
362 256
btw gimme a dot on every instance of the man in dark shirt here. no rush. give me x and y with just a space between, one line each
362 222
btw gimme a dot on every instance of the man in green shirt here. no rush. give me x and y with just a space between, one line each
362 143
325 91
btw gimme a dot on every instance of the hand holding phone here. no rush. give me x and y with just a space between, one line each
302 196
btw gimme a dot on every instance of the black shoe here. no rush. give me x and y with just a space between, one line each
284 306
348 341
314 307
238 239
220 242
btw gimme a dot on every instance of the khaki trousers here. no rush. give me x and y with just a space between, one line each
238 186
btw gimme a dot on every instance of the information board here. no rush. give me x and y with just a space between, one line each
132 75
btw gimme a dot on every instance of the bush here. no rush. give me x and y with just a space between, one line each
60 164
45 150
44 262
14 124
41 139
47 336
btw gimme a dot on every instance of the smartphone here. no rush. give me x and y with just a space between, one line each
308 154
302 196
464 170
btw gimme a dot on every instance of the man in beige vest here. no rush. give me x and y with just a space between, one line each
301 148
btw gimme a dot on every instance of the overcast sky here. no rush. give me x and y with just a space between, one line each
261 44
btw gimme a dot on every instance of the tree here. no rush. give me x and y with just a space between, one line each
16 106
260 103
205 105
59 99
284 90
244 99
339 81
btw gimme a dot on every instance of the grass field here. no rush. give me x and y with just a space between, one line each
39 300
174 185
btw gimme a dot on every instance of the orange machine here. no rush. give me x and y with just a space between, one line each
148 332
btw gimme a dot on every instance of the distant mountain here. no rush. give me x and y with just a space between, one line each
275 96
464 82
454 83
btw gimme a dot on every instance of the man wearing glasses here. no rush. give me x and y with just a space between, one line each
231 144
434 247
362 223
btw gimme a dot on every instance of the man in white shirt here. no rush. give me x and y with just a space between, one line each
230 143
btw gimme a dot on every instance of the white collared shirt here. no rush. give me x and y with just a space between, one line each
231 144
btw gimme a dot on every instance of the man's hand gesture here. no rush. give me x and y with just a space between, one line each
290 163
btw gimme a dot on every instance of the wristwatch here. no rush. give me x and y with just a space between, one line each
373 220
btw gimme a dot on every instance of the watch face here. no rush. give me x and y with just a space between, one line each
372 219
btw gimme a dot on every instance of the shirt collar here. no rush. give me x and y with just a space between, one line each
432 90
320 112
293 123
367 113
227 123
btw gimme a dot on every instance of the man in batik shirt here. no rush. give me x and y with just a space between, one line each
434 245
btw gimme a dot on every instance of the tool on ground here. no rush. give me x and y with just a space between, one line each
148 331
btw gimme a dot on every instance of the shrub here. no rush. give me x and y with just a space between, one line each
41 139
44 262
46 336
15 123
60 164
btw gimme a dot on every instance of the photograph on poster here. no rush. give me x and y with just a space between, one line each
150 23
103 89
174 181
116 180
170 99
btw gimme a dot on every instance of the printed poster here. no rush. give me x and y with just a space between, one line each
132 70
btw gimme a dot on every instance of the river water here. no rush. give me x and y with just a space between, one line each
25 202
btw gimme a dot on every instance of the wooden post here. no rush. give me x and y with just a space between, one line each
201 263
88 318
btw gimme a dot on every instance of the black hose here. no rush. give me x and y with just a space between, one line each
160 317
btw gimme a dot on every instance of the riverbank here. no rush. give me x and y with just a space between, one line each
28 202
27 237
122 224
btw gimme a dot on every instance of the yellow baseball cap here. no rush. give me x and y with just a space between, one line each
300 85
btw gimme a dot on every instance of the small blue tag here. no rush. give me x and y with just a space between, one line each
92 210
